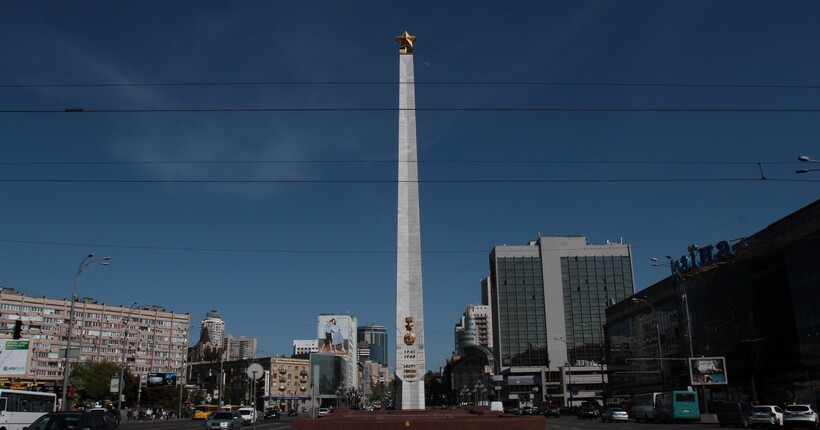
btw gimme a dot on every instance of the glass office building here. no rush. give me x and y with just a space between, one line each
755 307
376 338
548 300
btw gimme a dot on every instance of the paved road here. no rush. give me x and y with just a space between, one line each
573 423
564 423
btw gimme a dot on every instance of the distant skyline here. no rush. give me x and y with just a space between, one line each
243 156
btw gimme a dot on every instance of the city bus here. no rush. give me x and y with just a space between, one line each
20 408
680 405
201 412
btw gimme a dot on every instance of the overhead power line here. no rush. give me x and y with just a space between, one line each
389 181
421 109
434 83
375 161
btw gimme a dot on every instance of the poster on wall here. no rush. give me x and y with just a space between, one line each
708 371
13 357
335 334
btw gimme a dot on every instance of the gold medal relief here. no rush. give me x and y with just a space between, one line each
409 339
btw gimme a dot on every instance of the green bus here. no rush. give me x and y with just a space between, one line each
680 405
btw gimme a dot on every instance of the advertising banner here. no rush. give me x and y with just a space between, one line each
162 379
13 357
708 371
335 334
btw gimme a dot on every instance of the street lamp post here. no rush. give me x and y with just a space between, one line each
569 369
87 261
658 332
124 348
685 296
807 159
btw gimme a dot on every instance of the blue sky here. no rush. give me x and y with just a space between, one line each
640 121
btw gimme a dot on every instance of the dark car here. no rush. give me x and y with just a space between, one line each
293 413
734 414
587 412
272 414
552 411
92 420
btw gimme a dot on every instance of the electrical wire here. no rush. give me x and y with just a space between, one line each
452 83
422 109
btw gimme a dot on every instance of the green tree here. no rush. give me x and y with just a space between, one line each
92 382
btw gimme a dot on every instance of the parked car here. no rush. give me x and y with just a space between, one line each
93 420
293 413
799 416
526 410
552 411
224 420
614 413
323 412
587 412
734 414
248 415
272 414
766 415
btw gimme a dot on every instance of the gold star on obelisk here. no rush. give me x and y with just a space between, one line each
405 43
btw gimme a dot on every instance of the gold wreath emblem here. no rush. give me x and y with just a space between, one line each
409 339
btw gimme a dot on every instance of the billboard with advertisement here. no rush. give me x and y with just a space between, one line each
708 371
337 334
13 357
161 379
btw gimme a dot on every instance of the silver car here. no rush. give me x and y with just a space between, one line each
766 415
800 416
613 414
224 420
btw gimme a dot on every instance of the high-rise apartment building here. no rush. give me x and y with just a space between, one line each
475 327
376 338
240 348
214 326
548 300
150 339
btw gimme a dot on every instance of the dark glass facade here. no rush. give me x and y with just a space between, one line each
590 283
758 309
522 329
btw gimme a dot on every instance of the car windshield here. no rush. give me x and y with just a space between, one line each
762 409
222 416
615 410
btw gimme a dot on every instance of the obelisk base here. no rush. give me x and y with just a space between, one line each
434 419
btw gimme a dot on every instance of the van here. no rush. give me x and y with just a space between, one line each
734 414
248 415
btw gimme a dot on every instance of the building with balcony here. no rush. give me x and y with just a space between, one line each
152 339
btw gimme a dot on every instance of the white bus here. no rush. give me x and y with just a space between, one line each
643 406
19 408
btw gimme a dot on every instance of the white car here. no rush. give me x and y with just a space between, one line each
248 415
800 416
766 415
323 412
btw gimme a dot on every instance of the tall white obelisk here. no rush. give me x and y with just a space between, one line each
410 366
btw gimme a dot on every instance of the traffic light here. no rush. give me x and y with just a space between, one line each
70 391
18 329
